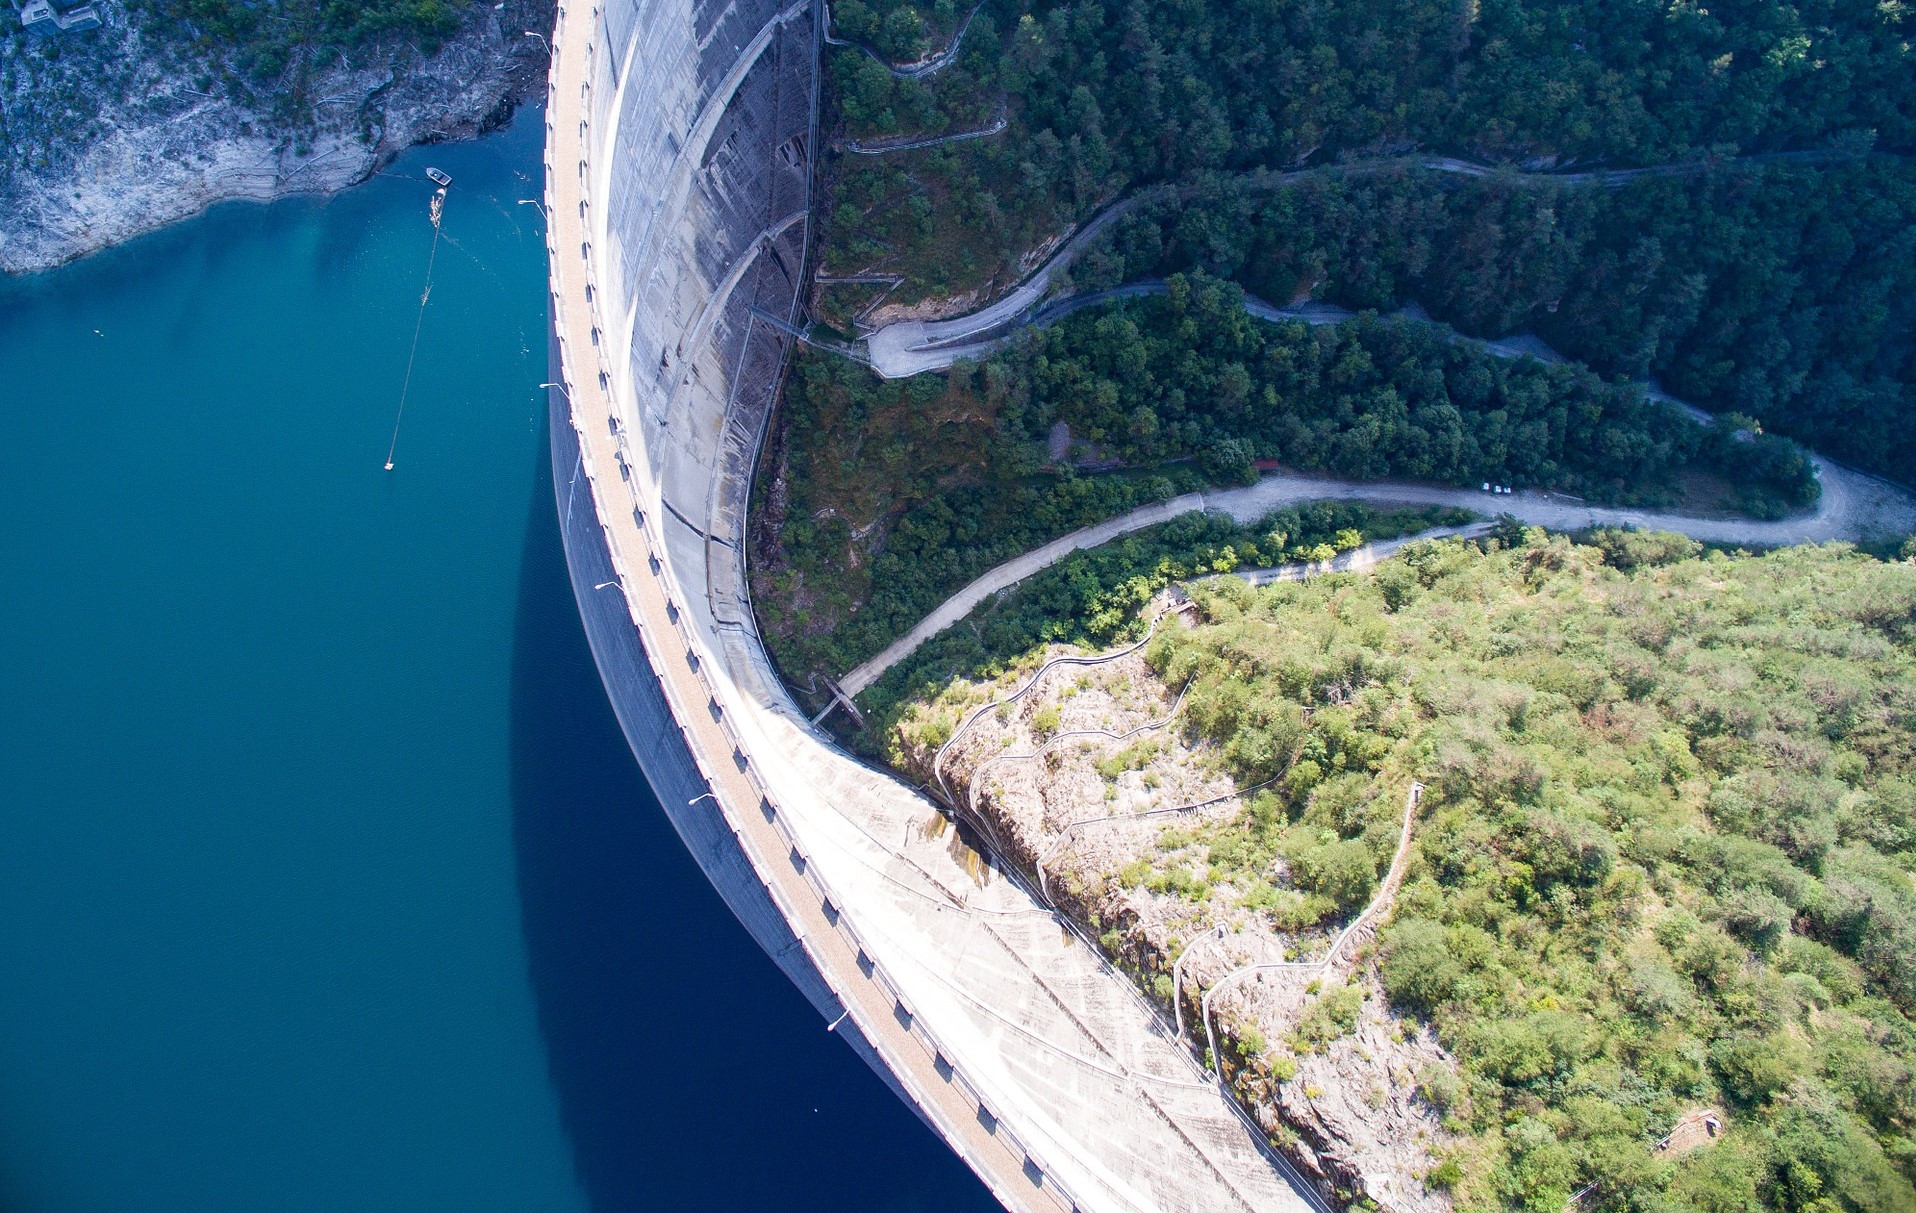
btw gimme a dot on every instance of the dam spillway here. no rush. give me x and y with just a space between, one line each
680 142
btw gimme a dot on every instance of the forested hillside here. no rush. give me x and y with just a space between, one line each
248 44
1662 862
1106 95
1192 373
1666 855
1782 291
882 498
1776 286
1173 85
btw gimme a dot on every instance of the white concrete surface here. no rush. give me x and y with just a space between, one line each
679 137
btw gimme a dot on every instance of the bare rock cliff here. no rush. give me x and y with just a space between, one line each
110 134
1082 778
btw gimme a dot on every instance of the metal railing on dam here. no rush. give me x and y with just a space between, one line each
678 169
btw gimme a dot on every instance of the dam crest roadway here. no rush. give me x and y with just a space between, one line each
680 137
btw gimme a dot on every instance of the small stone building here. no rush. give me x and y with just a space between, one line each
41 17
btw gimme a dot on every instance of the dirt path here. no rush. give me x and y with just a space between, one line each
1365 925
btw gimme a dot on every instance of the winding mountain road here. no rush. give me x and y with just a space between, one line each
879 147
1854 506
911 347
930 65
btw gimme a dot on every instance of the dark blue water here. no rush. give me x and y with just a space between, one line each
326 879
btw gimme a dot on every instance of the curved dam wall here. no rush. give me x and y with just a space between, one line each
680 138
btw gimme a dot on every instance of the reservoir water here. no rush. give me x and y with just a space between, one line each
327 881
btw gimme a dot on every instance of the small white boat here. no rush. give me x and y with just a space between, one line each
438 178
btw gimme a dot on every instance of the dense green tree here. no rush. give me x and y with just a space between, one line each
1781 294
1111 95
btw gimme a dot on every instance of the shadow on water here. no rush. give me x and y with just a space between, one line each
691 1074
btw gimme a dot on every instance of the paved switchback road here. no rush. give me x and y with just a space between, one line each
1854 505
910 347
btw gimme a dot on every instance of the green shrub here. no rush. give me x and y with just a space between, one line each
1341 871
1329 1015
1419 971
1621 907
1755 1068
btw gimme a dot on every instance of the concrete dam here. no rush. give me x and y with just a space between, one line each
680 143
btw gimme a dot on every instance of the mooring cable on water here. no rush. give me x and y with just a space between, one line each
438 212
472 257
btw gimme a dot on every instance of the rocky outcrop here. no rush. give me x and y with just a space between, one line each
114 133
1090 780
1361 1120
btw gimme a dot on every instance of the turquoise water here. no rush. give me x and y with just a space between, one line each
326 882
259 938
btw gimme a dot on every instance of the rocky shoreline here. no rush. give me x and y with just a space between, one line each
155 150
